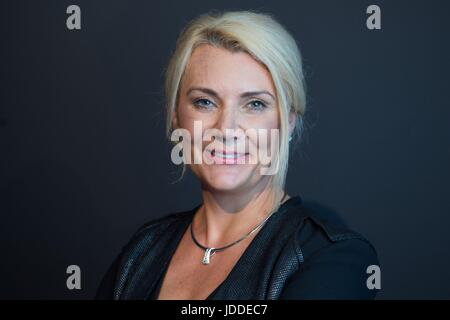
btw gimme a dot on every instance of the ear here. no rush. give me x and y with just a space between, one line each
292 121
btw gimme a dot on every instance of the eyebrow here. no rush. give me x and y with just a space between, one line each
243 95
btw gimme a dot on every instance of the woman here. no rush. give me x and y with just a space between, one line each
232 77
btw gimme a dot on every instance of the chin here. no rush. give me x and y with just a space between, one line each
227 180
224 186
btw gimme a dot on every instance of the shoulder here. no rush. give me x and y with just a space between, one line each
322 227
334 259
162 222
158 226
144 237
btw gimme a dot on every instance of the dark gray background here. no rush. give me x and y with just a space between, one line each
84 161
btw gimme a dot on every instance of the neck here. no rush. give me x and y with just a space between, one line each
225 217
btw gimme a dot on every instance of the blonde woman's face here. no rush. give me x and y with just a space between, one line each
224 90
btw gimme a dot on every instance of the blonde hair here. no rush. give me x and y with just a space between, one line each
266 41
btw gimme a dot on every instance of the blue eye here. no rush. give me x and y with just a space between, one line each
203 103
257 105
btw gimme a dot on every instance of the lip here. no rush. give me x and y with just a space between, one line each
223 157
229 153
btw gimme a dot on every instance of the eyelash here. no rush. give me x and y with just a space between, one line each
198 101
263 105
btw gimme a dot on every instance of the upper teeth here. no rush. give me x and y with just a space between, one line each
231 155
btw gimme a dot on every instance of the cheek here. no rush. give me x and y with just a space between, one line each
188 116
267 119
273 126
185 117
263 126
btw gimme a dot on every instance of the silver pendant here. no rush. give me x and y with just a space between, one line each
207 255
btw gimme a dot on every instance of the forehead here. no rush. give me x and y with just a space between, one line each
226 71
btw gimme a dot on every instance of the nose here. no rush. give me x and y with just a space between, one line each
228 119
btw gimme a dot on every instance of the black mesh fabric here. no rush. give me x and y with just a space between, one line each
290 235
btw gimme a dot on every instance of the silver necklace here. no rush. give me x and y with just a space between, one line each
209 251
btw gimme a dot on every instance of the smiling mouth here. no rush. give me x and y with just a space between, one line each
228 158
227 155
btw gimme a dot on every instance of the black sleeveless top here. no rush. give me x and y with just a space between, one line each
299 253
